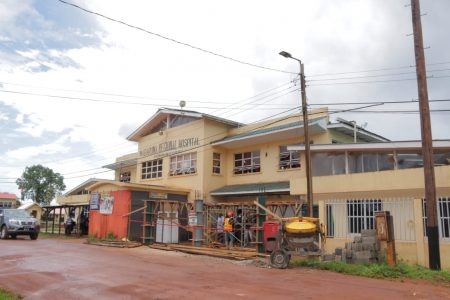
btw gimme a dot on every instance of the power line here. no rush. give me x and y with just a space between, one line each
377 81
377 70
136 96
173 40
374 102
372 76
70 98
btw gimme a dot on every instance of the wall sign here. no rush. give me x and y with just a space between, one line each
95 201
158 195
172 145
106 204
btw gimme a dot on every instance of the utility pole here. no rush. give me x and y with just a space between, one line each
309 193
427 141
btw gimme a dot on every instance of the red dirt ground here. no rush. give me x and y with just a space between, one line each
69 269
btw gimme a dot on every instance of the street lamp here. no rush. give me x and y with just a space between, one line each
309 194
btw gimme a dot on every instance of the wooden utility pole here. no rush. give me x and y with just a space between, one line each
427 141
309 193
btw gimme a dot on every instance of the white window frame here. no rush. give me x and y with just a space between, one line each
152 169
286 161
250 162
183 164
216 167
361 214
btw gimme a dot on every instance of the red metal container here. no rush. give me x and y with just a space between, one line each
270 234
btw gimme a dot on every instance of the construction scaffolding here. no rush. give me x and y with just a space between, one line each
175 222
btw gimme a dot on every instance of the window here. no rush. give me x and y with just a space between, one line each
6 204
247 162
444 216
152 169
330 220
324 164
289 159
183 164
125 177
361 214
443 207
216 163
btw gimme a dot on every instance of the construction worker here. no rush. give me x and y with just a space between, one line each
228 230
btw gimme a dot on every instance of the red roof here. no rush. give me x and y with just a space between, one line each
7 196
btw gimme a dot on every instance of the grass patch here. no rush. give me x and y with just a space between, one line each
402 270
7 295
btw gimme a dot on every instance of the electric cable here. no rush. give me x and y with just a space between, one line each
174 40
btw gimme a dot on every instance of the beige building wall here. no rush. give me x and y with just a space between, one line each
401 192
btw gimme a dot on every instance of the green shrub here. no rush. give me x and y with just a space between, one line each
381 270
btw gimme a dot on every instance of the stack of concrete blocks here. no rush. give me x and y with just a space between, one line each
364 249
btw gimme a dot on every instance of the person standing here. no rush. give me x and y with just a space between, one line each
228 230
220 222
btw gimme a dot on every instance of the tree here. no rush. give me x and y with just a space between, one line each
41 184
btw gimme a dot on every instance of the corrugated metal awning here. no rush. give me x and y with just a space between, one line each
281 187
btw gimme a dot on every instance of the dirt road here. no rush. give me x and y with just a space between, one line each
69 269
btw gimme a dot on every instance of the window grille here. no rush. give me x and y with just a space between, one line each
152 169
443 207
330 220
216 163
125 177
183 164
288 159
361 214
247 162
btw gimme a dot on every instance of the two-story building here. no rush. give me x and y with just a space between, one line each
222 161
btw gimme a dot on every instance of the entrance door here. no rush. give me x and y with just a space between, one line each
167 227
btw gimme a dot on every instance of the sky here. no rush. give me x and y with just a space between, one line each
74 85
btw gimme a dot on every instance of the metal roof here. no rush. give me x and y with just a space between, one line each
398 145
7 196
348 128
121 164
82 186
279 132
252 189
145 128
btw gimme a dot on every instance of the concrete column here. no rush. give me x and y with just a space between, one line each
420 241
199 228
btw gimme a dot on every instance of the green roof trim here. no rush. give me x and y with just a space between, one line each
252 189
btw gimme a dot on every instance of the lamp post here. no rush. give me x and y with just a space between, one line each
309 194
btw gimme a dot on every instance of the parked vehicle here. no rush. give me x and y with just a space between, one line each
14 222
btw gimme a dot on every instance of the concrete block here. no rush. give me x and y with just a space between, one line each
349 254
338 251
368 232
357 247
348 246
344 255
357 239
363 255
369 246
328 257
369 240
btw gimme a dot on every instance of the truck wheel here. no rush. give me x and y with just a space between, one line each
279 259
34 236
13 236
4 233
